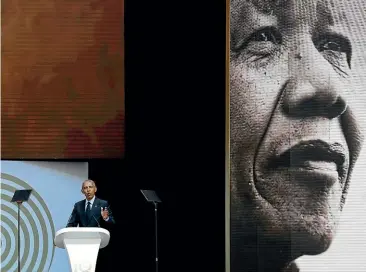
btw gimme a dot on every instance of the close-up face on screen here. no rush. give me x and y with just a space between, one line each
297 124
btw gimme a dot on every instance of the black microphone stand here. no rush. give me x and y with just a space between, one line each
156 236
96 220
19 197
152 197
19 203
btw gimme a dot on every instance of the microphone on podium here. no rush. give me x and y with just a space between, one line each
96 221
68 221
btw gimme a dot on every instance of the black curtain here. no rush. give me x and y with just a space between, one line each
175 140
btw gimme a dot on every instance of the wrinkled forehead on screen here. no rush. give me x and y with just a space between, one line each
255 13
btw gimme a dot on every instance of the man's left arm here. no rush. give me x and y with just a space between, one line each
107 214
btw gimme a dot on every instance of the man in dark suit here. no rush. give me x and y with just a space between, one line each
92 211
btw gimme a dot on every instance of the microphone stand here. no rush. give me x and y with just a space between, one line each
68 221
96 220
153 198
19 197
156 236
19 203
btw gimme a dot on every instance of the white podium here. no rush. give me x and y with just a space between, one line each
82 245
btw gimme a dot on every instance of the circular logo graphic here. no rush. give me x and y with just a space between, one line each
36 229
85 266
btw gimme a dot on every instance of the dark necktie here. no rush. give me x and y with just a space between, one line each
88 211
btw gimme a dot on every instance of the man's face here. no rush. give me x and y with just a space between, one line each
89 189
294 127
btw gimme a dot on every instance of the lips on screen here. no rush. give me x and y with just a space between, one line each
63 86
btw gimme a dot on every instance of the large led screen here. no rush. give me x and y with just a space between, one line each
62 79
297 122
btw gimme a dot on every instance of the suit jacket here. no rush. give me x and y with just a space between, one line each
78 215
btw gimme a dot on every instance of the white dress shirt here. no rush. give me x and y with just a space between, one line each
91 202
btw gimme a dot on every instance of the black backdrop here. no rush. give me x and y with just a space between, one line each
175 140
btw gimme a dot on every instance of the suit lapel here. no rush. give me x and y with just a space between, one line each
82 213
96 207
94 211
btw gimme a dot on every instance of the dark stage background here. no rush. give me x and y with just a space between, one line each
175 141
